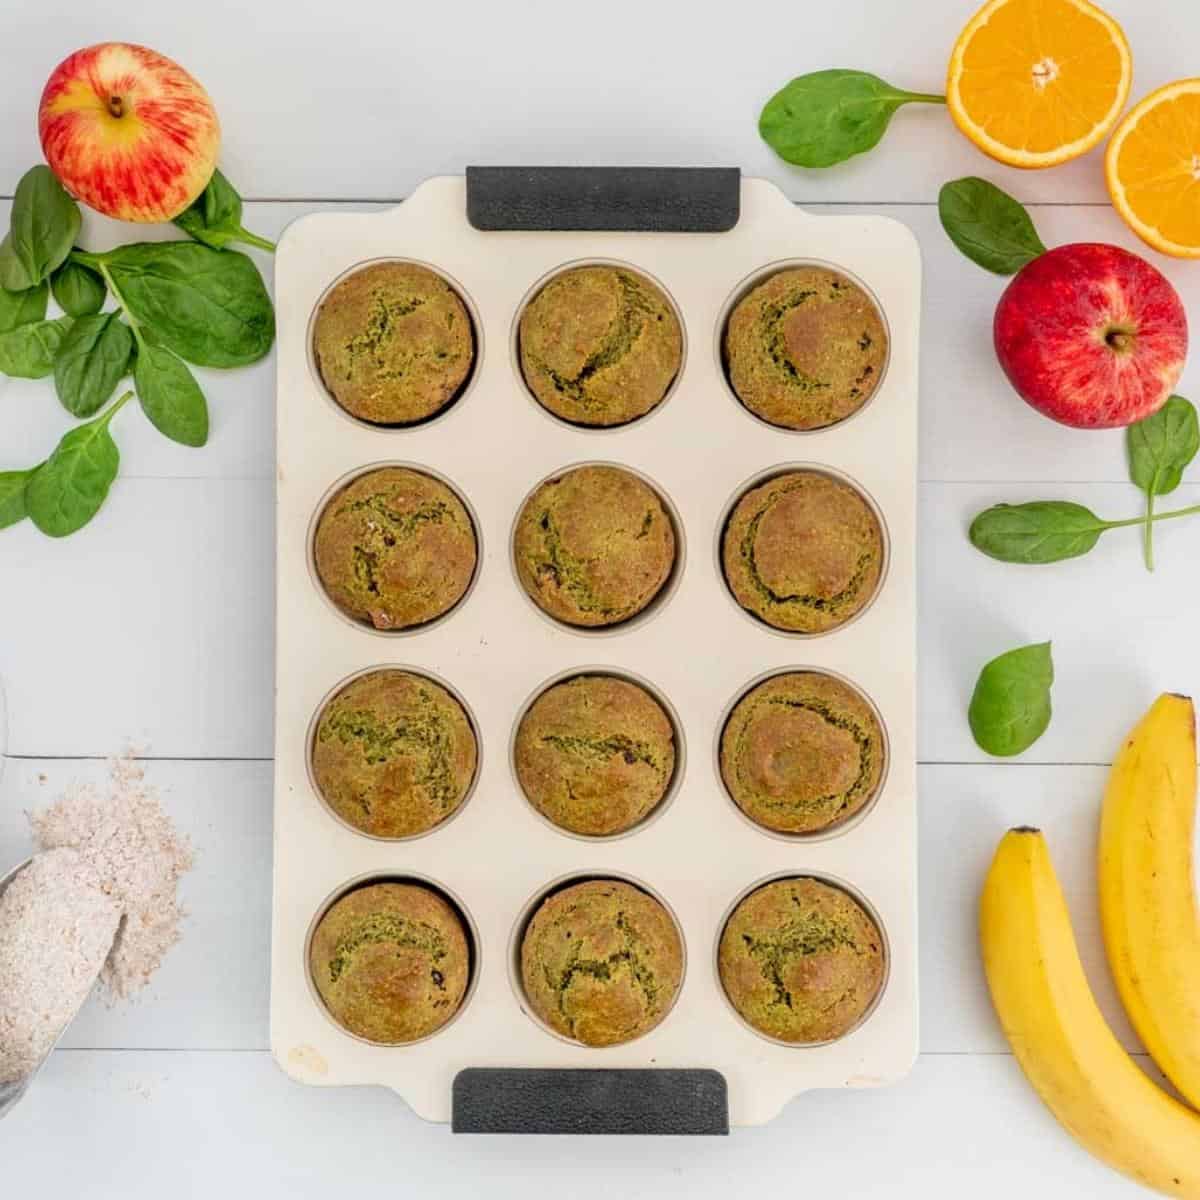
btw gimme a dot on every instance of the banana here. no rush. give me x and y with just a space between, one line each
1147 901
1058 1035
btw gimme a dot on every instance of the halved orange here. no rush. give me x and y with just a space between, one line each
1153 169
1037 82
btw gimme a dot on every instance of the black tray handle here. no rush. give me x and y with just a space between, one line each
611 199
609 1101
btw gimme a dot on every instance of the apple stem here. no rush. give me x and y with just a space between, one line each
1119 340
116 106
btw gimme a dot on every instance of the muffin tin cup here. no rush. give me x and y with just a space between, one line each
694 647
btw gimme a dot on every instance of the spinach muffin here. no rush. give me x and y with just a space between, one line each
391 962
395 548
393 754
803 552
801 961
801 752
601 962
595 754
806 348
593 546
393 343
599 345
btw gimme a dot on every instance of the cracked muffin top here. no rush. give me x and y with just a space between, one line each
601 962
806 348
599 345
395 548
393 343
593 546
803 552
801 961
801 752
393 754
595 754
391 962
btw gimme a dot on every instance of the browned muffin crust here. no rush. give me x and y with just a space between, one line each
594 546
595 754
806 348
393 754
801 961
393 343
391 962
601 962
803 552
802 752
599 345
395 548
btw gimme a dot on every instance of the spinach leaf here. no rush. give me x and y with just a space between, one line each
43 227
829 116
12 496
1042 531
28 351
988 225
91 361
170 395
215 217
1010 708
22 308
1160 449
67 490
209 306
78 290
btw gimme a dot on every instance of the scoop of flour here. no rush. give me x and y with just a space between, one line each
56 929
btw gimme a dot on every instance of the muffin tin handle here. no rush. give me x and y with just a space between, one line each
610 199
542 1100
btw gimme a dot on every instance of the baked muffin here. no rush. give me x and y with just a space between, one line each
393 754
801 960
803 552
599 345
806 348
395 548
601 962
594 546
801 752
595 754
393 343
391 961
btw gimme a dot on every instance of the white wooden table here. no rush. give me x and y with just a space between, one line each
155 623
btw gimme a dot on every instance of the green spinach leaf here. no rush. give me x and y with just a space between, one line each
829 116
91 362
215 217
12 496
67 490
1010 707
1042 531
209 306
170 395
28 351
988 225
23 308
78 290
44 224
1160 449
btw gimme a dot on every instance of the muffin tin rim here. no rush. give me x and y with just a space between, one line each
421 673
855 894
838 828
343 481
416 878
477 338
765 476
657 602
674 785
745 286
524 915
514 343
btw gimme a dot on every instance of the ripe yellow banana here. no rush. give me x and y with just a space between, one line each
1058 1035
1147 902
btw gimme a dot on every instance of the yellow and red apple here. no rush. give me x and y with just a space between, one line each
128 131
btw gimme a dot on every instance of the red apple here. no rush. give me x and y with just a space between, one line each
128 132
1091 335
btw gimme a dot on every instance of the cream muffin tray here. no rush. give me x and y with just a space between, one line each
495 1066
